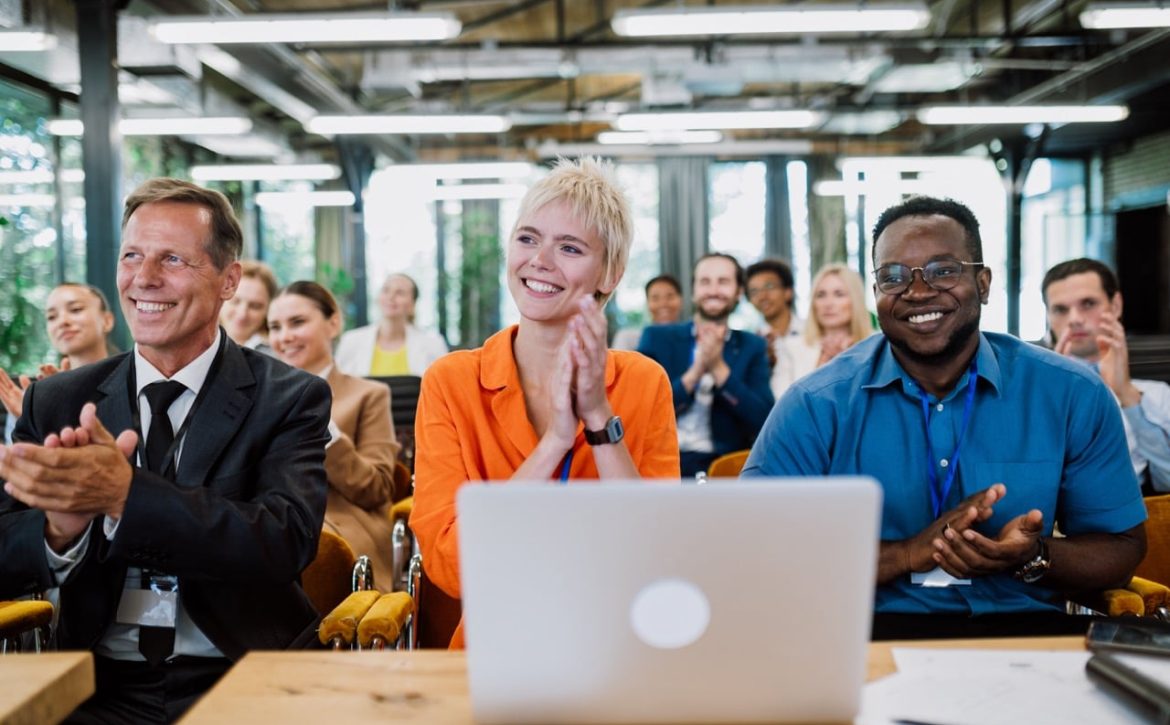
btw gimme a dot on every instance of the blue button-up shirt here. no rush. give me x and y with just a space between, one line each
1045 427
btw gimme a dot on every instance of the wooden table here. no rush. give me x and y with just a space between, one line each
43 688
427 686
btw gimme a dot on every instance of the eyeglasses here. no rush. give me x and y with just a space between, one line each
767 287
894 279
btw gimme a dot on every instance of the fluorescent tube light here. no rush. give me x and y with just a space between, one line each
208 126
755 20
974 115
308 28
478 191
472 170
699 120
1110 16
265 172
658 137
26 40
27 200
407 123
40 176
285 199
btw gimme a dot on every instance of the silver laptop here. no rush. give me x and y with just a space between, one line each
638 602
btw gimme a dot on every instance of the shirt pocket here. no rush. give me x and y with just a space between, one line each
1030 485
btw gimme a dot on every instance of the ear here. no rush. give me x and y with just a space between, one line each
231 280
334 326
1115 305
107 322
983 282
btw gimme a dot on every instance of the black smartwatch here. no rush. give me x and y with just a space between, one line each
613 432
1034 569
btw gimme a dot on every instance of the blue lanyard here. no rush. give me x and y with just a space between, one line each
564 475
938 494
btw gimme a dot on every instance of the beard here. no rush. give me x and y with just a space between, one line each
720 316
955 344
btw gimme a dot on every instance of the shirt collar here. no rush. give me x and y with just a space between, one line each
726 335
192 376
887 370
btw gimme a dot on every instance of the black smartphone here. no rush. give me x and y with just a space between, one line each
1144 636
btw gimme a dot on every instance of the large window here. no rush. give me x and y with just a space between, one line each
736 203
640 183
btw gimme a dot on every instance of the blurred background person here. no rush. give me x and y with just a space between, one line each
664 302
770 289
394 346
303 321
245 316
837 317
78 320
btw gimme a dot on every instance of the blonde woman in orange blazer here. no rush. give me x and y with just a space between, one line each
303 320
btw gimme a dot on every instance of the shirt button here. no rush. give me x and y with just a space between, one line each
944 463
939 407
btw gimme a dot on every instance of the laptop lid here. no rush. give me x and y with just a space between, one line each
649 602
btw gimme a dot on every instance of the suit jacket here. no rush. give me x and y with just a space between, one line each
741 405
355 350
237 526
360 469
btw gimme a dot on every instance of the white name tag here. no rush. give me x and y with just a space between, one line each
149 600
936 577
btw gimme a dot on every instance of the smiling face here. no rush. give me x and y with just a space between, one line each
170 290
396 299
77 324
716 289
664 303
832 305
300 334
554 261
243 315
767 293
1075 305
923 323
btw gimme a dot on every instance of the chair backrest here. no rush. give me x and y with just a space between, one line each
1149 357
329 578
728 465
1156 565
404 391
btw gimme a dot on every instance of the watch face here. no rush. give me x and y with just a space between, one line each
615 429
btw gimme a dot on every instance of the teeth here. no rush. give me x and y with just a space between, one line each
541 286
927 317
154 306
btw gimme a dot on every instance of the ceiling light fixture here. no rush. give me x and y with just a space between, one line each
29 41
463 192
207 126
303 199
308 28
658 137
976 115
471 169
407 124
717 120
1112 16
753 20
265 172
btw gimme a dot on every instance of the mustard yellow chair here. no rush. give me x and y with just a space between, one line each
1147 593
368 620
402 546
728 465
22 619
334 573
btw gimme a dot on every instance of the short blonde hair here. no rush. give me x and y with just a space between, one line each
860 324
590 187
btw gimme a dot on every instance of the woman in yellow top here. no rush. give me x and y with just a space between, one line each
544 400
303 320
394 346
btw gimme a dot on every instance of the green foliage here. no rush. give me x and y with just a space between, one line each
23 342
340 282
479 275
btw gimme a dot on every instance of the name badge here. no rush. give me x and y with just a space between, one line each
150 600
936 577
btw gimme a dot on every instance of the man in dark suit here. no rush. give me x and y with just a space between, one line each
177 545
719 376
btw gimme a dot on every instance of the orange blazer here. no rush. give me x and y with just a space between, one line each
472 425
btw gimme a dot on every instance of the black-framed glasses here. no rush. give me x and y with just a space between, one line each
944 274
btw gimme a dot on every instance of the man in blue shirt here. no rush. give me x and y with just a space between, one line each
981 443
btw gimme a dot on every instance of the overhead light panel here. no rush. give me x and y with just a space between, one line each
26 40
265 172
717 120
207 126
756 20
472 170
308 28
303 199
407 124
463 192
977 115
1112 16
658 137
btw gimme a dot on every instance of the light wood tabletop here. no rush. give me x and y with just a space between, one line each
43 688
425 686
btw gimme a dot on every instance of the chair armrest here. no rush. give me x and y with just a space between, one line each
402 509
1155 596
1118 603
385 621
339 627
24 615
